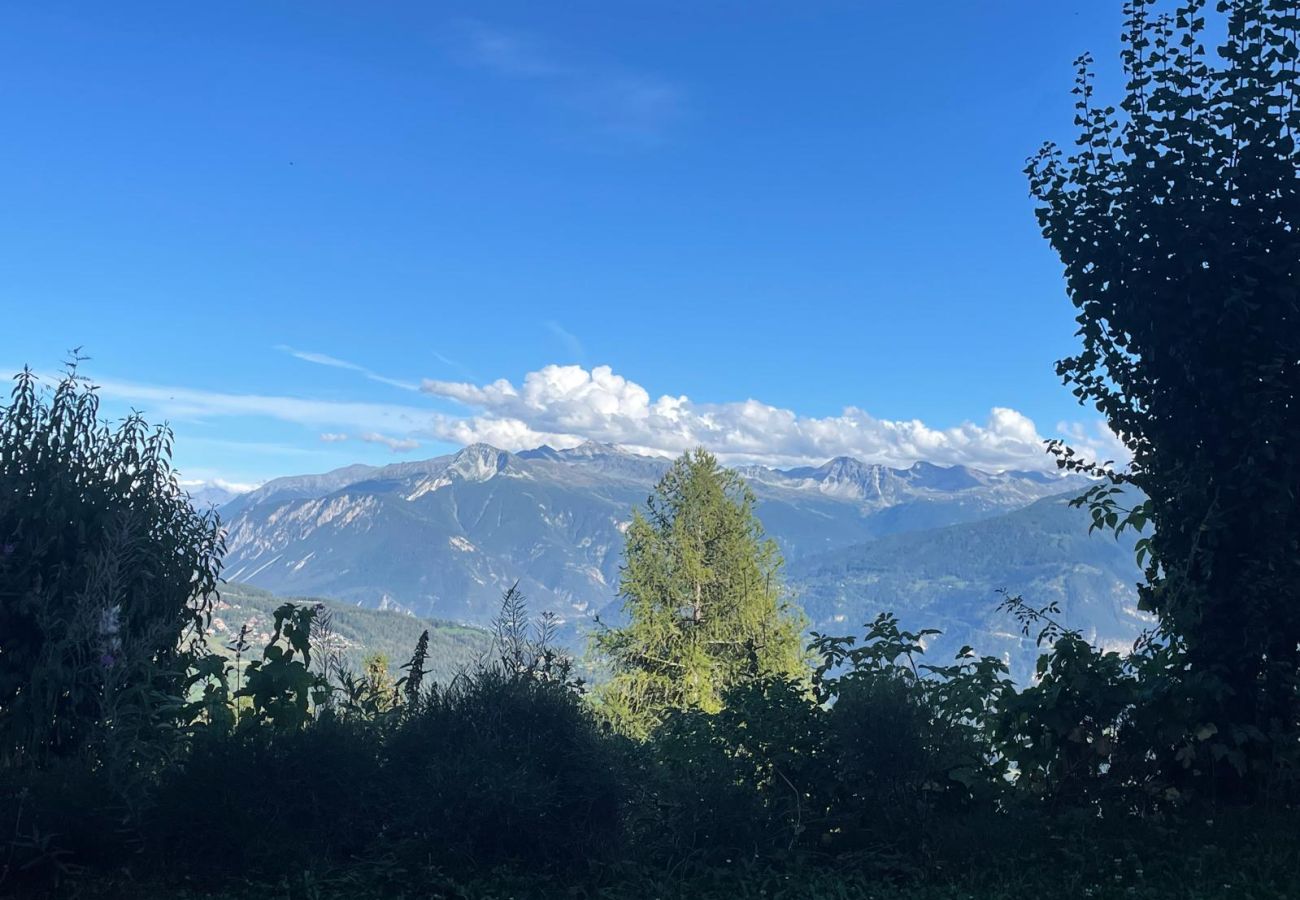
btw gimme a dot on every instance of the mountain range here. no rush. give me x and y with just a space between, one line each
444 537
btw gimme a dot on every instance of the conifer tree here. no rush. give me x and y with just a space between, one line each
702 598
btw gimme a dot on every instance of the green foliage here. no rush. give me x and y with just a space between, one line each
1066 734
281 686
106 577
354 632
909 740
858 770
526 648
372 693
1176 219
265 801
411 683
504 767
497 767
703 599
1228 859
885 766
737 784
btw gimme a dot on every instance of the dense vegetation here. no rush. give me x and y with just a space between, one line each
349 635
721 758
1176 222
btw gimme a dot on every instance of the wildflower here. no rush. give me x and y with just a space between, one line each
110 628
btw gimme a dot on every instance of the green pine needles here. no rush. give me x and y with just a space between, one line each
703 601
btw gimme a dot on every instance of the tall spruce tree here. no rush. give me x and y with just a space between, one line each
1176 219
703 599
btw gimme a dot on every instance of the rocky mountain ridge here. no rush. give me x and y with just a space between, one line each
445 536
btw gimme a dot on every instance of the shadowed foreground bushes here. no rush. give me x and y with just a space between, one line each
490 770
507 782
499 768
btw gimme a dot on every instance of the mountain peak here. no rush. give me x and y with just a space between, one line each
849 463
479 462
478 449
944 478
545 451
595 448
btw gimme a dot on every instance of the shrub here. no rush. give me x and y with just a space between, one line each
60 820
746 782
503 767
106 576
266 802
906 740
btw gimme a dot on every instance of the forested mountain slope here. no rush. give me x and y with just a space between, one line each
949 578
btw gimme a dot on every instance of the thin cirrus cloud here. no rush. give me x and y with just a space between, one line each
395 444
333 362
572 346
634 105
193 404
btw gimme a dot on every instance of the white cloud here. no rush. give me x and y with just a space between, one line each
632 105
563 405
397 445
234 487
333 362
189 403
568 339
506 53
1103 444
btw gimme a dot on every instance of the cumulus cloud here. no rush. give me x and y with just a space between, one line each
221 484
564 405
1103 445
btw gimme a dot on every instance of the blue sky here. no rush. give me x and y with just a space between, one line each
310 234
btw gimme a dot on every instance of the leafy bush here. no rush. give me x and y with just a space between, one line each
504 767
856 767
106 576
908 739
1175 220
267 802
744 783
61 820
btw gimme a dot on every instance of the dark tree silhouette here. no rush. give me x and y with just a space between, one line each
1176 221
